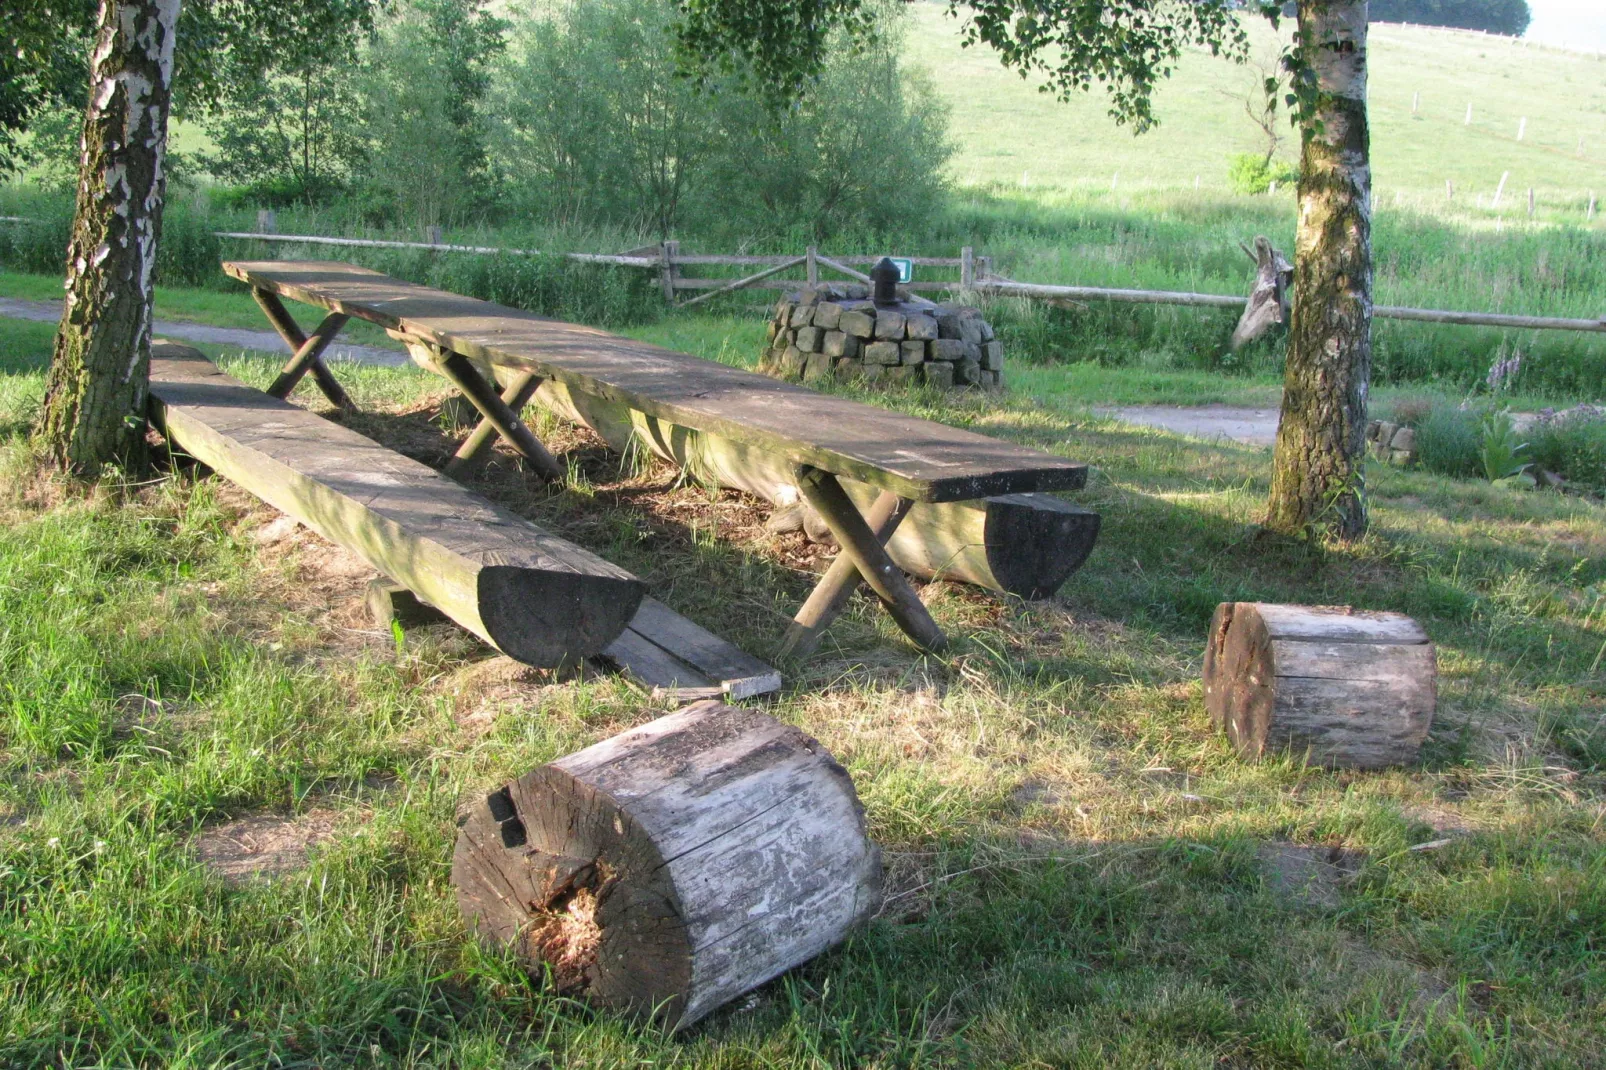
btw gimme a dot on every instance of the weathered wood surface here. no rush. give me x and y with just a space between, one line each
680 661
918 459
306 352
830 596
674 867
1268 297
1345 687
862 547
1023 544
494 410
530 594
683 661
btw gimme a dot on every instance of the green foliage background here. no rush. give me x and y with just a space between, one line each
1496 16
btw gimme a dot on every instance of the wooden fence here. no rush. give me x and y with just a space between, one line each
668 261
973 275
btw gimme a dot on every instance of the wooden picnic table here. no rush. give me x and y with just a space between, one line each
825 437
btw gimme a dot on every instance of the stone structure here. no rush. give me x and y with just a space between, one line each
837 331
1392 443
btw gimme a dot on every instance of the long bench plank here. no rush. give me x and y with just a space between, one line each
917 459
536 597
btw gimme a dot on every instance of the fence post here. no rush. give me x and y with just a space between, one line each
432 235
1530 202
667 272
967 269
267 222
812 265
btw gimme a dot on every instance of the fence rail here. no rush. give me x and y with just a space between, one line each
1009 288
975 276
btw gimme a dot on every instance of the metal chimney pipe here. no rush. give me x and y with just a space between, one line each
884 276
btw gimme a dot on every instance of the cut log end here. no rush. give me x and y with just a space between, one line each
554 618
672 868
1034 542
1344 688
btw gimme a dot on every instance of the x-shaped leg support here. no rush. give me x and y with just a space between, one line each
863 557
470 454
308 350
499 413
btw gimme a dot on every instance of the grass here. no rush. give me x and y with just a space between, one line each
1080 871
1076 146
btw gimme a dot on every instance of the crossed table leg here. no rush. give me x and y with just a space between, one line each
499 413
863 557
308 350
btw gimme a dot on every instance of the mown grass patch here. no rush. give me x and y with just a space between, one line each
1081 872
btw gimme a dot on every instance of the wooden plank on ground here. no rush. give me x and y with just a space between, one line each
918 459
536 597
669 653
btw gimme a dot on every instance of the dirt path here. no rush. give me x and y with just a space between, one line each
266 341
1235 423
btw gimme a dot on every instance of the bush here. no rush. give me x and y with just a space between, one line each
188 252
1252 173
1572 444
1449 441
38 245
862 153
186 255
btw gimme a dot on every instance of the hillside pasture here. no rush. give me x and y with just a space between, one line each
1009 135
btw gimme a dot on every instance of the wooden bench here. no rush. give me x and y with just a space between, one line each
823 438
536 597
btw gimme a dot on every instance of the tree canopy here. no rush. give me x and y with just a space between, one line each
1128 46
45 60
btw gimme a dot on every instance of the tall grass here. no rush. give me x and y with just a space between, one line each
1163 240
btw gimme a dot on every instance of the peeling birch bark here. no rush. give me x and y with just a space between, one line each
1318 482
96 390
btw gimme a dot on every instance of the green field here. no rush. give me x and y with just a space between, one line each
1006 131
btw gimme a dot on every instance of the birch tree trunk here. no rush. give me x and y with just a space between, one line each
1317 479
95 392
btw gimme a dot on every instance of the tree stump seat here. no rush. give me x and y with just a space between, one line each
1345 687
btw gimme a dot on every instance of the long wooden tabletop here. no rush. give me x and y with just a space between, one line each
918 459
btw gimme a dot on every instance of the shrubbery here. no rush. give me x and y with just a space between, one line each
1252 173
1448 442
1572 444
1463 441
594 126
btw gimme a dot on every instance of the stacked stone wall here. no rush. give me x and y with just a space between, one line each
837 332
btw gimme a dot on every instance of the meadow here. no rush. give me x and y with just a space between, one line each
1081 871
1009 135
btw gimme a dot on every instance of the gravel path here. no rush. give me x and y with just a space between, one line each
266 341
1235 423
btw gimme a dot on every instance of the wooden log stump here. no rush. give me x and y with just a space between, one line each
1348 688
669 869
